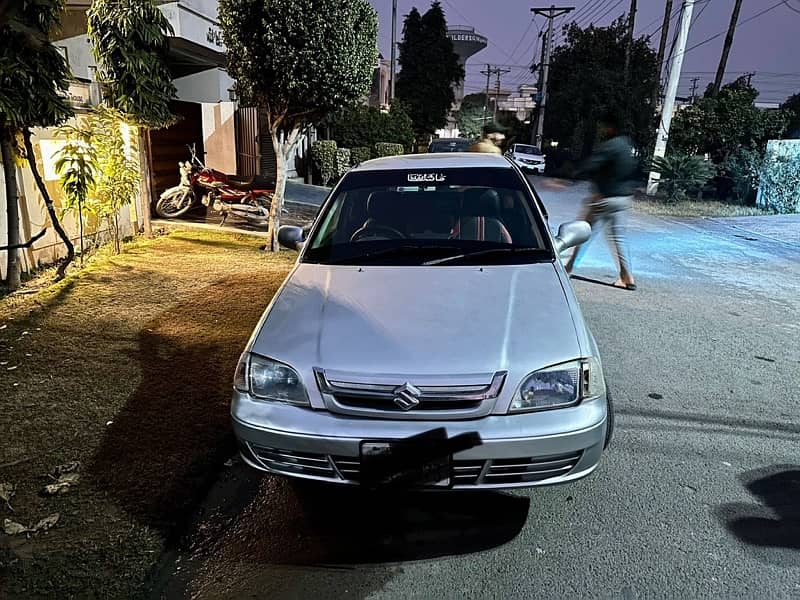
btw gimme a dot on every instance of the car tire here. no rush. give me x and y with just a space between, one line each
609 419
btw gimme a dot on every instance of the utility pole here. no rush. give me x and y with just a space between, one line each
750 76
672 89
629 42
488 73
694 88
662 46
726 48
393 66
551 13
498 72
540 68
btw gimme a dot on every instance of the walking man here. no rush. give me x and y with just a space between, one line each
611 168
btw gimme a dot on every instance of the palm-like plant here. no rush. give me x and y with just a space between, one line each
681 174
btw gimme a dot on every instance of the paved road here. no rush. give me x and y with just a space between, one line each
699 496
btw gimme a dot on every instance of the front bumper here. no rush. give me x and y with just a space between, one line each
530 449
538 168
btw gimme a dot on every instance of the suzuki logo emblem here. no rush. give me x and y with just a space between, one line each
406 396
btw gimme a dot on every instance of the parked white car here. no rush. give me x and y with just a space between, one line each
428 335
527 157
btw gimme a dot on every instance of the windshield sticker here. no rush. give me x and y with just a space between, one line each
426 177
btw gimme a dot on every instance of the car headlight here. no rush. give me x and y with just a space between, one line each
269 380
560 386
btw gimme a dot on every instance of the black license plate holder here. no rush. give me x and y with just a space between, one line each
406 464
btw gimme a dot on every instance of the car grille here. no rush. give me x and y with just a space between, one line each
469 400
522 470
466 473
291 462
386 404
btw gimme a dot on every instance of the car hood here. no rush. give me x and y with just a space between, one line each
420 320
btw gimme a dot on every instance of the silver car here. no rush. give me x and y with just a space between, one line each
427 336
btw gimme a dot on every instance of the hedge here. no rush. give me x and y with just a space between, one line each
359 154
388 149
342 161
323 155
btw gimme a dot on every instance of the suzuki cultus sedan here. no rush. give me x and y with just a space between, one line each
427 336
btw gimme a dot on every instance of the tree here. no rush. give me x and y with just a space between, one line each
76 165
792 105
129 41
586 80
300 60
470 116
719 125
364 126
429 70
33 84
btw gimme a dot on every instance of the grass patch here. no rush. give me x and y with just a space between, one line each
125 366
696 208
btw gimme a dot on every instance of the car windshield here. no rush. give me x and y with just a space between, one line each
524 149
455 216
448 145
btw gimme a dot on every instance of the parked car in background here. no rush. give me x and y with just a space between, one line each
527 157
449 145
427 336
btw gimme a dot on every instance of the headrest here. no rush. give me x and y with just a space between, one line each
385 207
481 203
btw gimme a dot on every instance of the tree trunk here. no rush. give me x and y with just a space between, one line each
48 202
12 208
283 150
146 184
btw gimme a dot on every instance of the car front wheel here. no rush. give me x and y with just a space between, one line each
609 419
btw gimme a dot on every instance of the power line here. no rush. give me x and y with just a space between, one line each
514 51
610 9
751 18
790 7
587 17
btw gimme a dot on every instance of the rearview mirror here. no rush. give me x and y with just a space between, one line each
291 236
572 234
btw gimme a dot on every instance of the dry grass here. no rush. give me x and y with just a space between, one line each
125 367
696 208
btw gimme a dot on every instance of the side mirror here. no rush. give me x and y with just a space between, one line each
292 237
572 234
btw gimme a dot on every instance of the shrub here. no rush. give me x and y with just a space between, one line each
342 161
323 155
360 126
780 183
388 149
681 174
359 154
742 171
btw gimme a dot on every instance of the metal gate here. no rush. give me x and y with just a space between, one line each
248 159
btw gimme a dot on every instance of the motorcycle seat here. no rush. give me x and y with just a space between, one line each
252 182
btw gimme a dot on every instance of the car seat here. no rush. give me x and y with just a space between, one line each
480 218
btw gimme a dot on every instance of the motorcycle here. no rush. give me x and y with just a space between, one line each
248 198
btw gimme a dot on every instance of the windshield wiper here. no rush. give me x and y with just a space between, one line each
404 250
521 250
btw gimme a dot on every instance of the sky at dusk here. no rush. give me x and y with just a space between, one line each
768 44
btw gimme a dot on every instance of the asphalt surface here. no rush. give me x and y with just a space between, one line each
698 497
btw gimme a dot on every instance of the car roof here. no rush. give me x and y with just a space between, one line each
446 160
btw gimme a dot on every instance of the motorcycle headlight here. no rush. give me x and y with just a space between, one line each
269 380
560 386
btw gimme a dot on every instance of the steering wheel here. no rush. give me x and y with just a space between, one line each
378 231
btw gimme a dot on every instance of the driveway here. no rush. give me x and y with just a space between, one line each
698 497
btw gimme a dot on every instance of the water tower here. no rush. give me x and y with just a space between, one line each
466 42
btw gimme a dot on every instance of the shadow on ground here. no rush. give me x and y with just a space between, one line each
265 535
165 448
775 522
